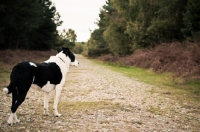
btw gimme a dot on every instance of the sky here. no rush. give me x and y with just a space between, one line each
79 15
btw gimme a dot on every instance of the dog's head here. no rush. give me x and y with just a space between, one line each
69 54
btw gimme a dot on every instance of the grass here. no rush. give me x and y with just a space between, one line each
168 84
84 106
4 77
156 110
145 75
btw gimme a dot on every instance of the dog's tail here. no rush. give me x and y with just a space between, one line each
10 88
6 91
13 81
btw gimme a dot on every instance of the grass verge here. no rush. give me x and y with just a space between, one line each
168 83
4 77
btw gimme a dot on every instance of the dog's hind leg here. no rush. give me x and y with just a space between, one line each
17 99
46 103
13 118
58 90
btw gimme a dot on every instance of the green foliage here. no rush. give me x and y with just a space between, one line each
69 35
28 24
126 25
118 42
192 19
67 38
78 48
97 46
104 40
97 52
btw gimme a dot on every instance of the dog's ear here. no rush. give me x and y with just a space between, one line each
59 49
66 50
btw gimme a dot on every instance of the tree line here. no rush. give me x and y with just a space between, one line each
31 25
126 25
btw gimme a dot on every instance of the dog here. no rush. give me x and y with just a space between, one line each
47 76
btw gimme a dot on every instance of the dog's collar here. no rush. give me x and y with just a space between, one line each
61 59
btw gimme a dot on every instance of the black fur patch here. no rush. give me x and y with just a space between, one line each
45 72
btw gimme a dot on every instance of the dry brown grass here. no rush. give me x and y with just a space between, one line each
183 60
9 58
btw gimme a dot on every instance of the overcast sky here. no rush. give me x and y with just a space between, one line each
79 15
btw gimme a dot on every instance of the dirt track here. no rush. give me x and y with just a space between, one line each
97 99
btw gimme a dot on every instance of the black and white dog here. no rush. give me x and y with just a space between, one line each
48 75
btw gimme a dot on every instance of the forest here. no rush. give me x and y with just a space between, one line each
124 25
163 36
127 25
31 25
160 35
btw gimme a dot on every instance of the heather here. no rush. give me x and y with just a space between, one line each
178 58
9 58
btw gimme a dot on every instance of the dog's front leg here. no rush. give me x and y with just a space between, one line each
46 103
56 100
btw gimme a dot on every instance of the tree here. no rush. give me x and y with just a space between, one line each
68 38
168 20
45 36
192 19
18 18
71 35
97 45
126 25
28 24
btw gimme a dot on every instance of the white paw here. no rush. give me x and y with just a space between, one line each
46 112
10 121
58 115
13 119
16 121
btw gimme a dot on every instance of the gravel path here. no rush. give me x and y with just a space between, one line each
97 99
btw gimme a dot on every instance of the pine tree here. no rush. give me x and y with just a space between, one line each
192 19
28 24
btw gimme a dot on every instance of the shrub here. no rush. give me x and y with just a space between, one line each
97 52
183 60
